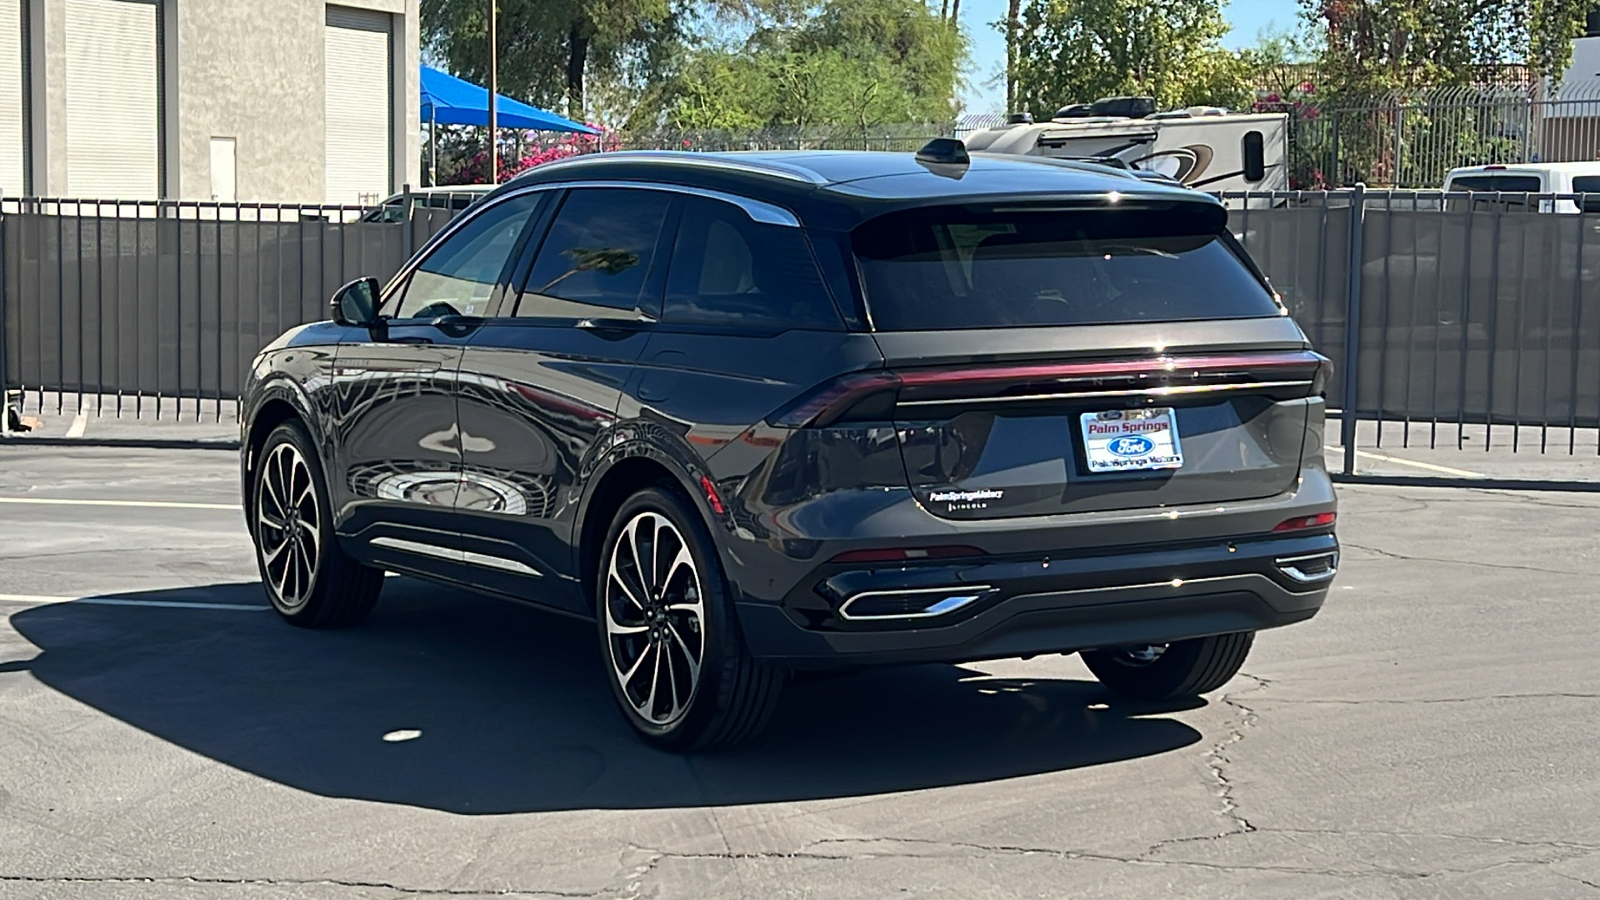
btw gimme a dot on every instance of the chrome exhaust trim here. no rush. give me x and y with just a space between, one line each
1310 568
941 601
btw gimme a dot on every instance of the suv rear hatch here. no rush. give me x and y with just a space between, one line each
1049 360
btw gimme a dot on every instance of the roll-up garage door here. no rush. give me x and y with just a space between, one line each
11 134
113 100
358 105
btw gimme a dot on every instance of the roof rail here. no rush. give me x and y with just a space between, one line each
725 161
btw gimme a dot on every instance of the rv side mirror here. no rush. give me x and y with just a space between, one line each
356 304
1255 157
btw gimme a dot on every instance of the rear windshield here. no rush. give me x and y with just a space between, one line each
1512 183
946 268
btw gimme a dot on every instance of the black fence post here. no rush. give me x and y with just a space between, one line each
5 386
1352 328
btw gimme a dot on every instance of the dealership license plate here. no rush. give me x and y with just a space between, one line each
1127 440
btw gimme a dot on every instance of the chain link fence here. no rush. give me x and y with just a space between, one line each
1413 139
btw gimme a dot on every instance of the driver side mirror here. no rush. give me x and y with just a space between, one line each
356 304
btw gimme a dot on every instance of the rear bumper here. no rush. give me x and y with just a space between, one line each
1035 604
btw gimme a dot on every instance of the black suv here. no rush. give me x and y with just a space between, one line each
768 412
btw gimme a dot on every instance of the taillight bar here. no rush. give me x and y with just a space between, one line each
828 402
1165 366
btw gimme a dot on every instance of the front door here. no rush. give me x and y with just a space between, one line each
398 442
541 382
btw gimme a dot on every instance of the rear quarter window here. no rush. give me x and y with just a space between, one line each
728 271
950 268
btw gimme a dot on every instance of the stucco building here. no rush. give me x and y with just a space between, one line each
249 100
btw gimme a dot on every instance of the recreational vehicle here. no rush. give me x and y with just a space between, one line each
1206 148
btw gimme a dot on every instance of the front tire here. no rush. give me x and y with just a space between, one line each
309 579
1165 671
673 651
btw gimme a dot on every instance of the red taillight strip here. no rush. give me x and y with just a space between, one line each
1301 523
1127 368
837 396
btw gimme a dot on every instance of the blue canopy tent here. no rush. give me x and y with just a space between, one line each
448 100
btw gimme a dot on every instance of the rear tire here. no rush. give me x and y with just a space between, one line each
672 647
309 579
1178 669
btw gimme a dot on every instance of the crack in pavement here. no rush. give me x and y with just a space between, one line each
1390 554
1583 881
1568 695
284 882
809 852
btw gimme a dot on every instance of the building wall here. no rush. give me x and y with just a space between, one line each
241 69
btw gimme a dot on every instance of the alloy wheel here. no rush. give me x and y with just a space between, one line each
287 534
655 619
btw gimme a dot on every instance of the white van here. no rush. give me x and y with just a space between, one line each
1528 178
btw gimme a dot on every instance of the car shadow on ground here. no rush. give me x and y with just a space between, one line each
514 713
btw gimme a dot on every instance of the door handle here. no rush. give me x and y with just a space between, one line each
456 326
616 327
411 339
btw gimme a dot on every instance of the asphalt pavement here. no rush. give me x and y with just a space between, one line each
1433 733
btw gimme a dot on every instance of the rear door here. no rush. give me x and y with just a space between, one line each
1053 361
540 383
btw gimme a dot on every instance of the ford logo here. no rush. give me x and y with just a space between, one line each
1131 446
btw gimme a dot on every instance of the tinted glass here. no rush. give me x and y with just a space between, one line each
1255 156
597 255
1589 185
947 268
728 270
458 276
1526 183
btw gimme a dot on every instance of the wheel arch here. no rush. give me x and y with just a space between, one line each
626 472
276 402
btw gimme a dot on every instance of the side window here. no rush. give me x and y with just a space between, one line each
1589 187
457 278
730 271
1255 156
597 255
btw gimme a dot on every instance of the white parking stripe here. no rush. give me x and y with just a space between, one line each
45 600
80 422
149 504
1384 457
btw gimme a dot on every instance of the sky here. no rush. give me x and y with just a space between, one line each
986 90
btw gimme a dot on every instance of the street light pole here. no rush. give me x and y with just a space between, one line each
494 93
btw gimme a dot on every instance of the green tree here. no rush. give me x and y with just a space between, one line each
551 51
851 62
1373 46
1074 51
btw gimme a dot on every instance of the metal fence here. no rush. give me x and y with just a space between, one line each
1412 139
162 304
904 138
1471 312
1467 311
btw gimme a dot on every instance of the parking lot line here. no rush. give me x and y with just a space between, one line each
80 422
47 599
1444 470
149 504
